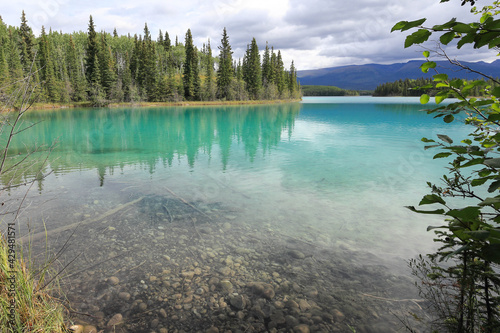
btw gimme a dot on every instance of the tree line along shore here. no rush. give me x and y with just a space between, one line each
98 68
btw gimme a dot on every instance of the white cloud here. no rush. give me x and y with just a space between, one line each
315 33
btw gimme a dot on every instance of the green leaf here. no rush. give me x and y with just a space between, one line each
446 25
462 28
441 155
445 138
424 99
473 162
440 77
427 65
489 201
491 252
427 140
479 181
469 38
441 96
418 37
496 92
431 199
435 212
466 214
426 54
448 118
398 26
412 24
446 38
479 235
431 146
493 162
494 186
429 228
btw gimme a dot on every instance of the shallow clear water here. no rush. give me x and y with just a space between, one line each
331 173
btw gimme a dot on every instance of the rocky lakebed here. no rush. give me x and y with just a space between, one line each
163 264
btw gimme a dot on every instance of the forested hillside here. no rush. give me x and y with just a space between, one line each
99 67
421 86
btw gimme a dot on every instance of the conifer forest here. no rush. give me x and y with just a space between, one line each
98 68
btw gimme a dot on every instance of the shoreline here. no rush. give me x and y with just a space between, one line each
53 106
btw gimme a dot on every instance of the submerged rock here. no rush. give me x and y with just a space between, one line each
296 254
116 320
262 289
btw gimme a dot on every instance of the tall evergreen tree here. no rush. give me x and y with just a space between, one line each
225 70
75 74
106 65
27 44
91 55
209 67
266 66
191 77
47 68
252 73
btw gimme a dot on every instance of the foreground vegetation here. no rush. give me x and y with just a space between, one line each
101 68
461 280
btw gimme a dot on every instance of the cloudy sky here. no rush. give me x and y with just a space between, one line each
314 33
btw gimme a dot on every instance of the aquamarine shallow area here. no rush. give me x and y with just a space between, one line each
329 177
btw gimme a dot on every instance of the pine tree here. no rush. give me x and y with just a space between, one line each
75 75
92 51
166 42
47 68
252 74
209 67
266 66
191 77
225 70
147 74
106 66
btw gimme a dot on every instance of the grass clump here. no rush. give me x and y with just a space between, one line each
26 301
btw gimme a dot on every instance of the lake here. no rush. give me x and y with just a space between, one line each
242 218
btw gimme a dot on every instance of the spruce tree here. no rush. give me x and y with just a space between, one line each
106 66
225 70
47 68
76 77
191 77
91 55
209 67
252 73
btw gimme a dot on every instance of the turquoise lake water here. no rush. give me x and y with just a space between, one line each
330 173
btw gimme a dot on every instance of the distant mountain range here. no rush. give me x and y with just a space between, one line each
367 77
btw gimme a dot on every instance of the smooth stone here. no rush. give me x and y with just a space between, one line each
188 275
262 289
304 305
302 328
124 296
155 323
163 330
212 329
117 319
291 321
296 254
238 301
163 313
226 286
113 280
143 306
77 328
225 271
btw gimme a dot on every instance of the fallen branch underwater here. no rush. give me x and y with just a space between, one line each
43 234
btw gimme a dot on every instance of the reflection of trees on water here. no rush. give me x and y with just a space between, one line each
106 139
